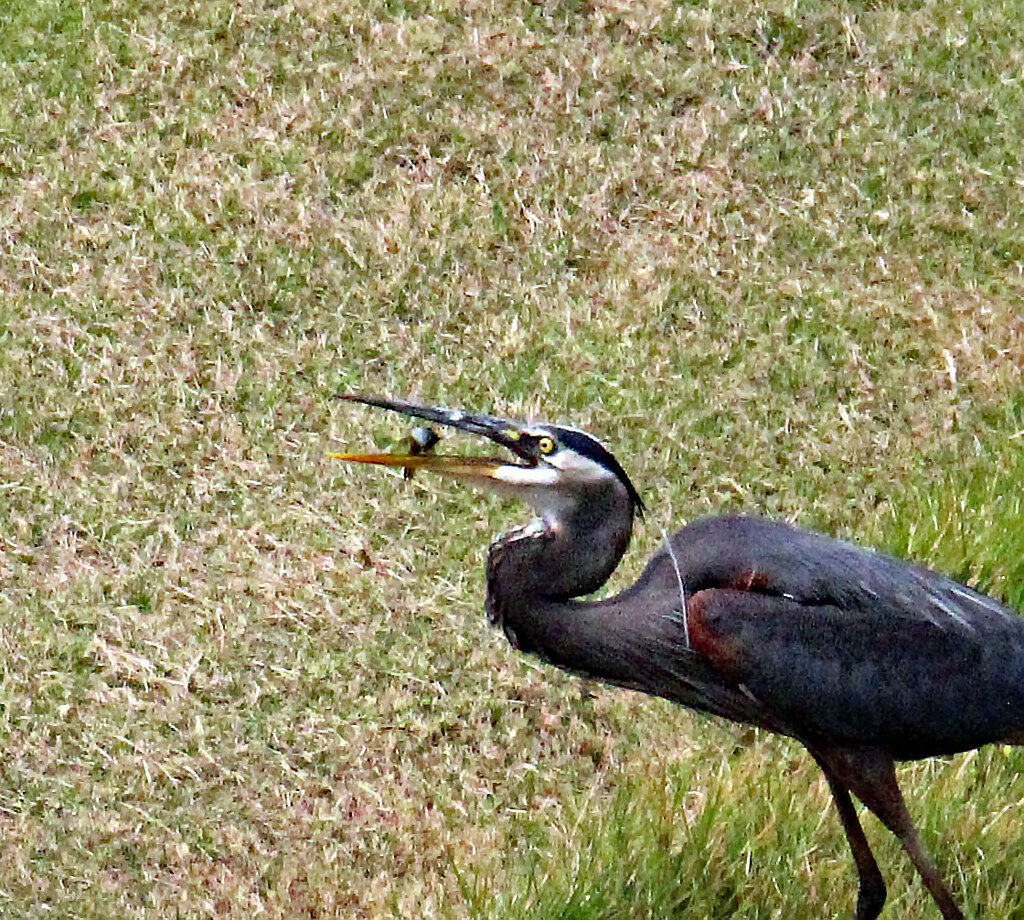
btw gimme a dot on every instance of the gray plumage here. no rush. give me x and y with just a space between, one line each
863 658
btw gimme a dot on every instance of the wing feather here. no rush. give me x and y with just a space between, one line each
776 558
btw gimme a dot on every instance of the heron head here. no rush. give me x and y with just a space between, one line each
552 466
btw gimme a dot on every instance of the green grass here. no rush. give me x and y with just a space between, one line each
769 252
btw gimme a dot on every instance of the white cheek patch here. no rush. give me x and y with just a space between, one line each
538 486
526 475
580 467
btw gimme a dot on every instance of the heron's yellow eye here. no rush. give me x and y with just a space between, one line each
546 445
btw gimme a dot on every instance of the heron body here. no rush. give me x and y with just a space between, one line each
864 659
795 632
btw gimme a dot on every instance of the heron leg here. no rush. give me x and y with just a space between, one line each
870 774
871 893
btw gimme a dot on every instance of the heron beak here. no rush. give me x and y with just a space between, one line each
499 430
474 469
485 470
520 477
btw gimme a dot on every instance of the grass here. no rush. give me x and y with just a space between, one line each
769 252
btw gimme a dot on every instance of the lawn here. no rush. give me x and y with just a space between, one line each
772 254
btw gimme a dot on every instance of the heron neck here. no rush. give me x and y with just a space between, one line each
534 571
600 639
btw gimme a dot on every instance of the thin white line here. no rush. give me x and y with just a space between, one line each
682 590
982 599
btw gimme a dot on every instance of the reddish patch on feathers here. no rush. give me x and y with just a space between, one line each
750 581
706 636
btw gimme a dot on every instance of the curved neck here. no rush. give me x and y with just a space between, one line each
533 571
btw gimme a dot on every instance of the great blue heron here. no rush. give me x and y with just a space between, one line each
864 659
